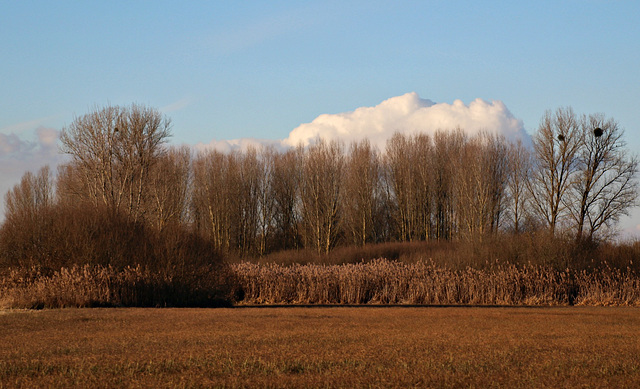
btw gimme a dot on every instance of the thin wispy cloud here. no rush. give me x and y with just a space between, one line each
28 125
255 32
177 105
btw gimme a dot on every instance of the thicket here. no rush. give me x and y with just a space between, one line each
93 257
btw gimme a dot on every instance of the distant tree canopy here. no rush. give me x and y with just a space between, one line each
578 179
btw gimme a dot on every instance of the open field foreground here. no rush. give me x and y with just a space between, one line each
321 347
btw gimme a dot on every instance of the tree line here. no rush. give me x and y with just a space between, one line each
577 179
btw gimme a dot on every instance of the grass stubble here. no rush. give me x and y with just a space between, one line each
321 347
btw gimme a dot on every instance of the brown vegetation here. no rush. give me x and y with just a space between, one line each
97 286
386 282
411 281
530 270
321 347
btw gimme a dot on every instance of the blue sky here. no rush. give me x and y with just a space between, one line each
258 69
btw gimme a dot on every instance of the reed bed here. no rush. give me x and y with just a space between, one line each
99 286
609 287
424 283
381 282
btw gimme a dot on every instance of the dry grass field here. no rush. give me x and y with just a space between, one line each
321 347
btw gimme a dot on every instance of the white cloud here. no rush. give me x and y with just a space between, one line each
19 155
409 114
406 114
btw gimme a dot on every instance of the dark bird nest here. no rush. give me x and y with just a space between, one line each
597 132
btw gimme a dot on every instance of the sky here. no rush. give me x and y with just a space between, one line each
280 72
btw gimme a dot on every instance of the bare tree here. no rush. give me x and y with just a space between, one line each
170 188
399 175
480 181
114 149
247 184
409 174
320 192
556 146
211 199
33 194
421 156
471 188
496 162
519 170
24 231
266 200
361 192
605 187
447 149
285 192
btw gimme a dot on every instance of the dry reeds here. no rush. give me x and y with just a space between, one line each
379 282
608 287
96 286
392 282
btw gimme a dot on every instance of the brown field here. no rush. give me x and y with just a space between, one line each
321 347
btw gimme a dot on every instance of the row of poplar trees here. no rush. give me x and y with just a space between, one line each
577 177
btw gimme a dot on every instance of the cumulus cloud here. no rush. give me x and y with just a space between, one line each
407 114
410 114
